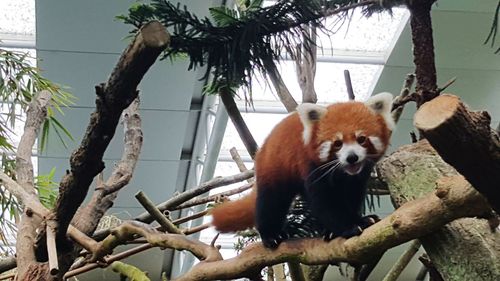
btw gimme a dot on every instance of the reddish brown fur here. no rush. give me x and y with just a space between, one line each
284 155
236 215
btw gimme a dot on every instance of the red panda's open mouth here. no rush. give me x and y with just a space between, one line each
354 169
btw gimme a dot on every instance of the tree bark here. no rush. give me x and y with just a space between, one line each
86 162
464 249
240 125
279 85
423 50
112 98
465 140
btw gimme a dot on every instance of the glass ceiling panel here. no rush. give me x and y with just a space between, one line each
329 82
17 18
361 34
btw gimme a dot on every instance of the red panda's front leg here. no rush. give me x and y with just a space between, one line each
273 203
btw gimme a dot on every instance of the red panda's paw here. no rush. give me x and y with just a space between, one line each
272 242
354 230
368 221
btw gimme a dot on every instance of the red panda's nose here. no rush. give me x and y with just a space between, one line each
352 158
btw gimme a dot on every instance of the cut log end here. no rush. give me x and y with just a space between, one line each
155 35
436 112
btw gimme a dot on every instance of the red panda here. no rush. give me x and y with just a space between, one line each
326 155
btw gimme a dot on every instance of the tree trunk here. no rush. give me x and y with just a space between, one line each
423 50
465 249
450 126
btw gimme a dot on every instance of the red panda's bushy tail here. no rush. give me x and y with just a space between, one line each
235 215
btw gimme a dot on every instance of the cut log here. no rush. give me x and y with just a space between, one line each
465 140
464 249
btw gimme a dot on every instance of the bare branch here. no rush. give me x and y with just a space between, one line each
447 84
214 197
51 247
282 91
165 223
405 92
35 116
348 84
102 199
25 192
305 64
403 261
227 99
193 192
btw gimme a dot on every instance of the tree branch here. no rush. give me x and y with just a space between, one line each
423 50
227 99
412 220
25 192
195 191
282 91
112 98
403 261
88 217
451 127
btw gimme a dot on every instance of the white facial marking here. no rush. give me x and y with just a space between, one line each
348 149
358 133
306 134
324 151
377 143
339 135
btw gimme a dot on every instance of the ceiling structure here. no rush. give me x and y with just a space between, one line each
79 48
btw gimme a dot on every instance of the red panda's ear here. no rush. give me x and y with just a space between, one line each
382 104
309 113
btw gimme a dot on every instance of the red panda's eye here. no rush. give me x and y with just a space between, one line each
361 140
337 144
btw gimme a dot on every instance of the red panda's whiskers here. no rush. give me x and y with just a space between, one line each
323 166
333 167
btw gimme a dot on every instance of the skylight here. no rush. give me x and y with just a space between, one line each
17 21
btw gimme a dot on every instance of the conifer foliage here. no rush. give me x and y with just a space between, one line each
234 43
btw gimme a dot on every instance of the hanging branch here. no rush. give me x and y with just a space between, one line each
280 87
348 84
227 99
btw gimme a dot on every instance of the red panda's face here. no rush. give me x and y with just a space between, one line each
348 135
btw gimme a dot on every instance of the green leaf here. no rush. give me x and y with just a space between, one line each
223 16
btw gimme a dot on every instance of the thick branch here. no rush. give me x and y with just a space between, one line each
25 192
412 171
112 98
35 116
465 140
412 220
